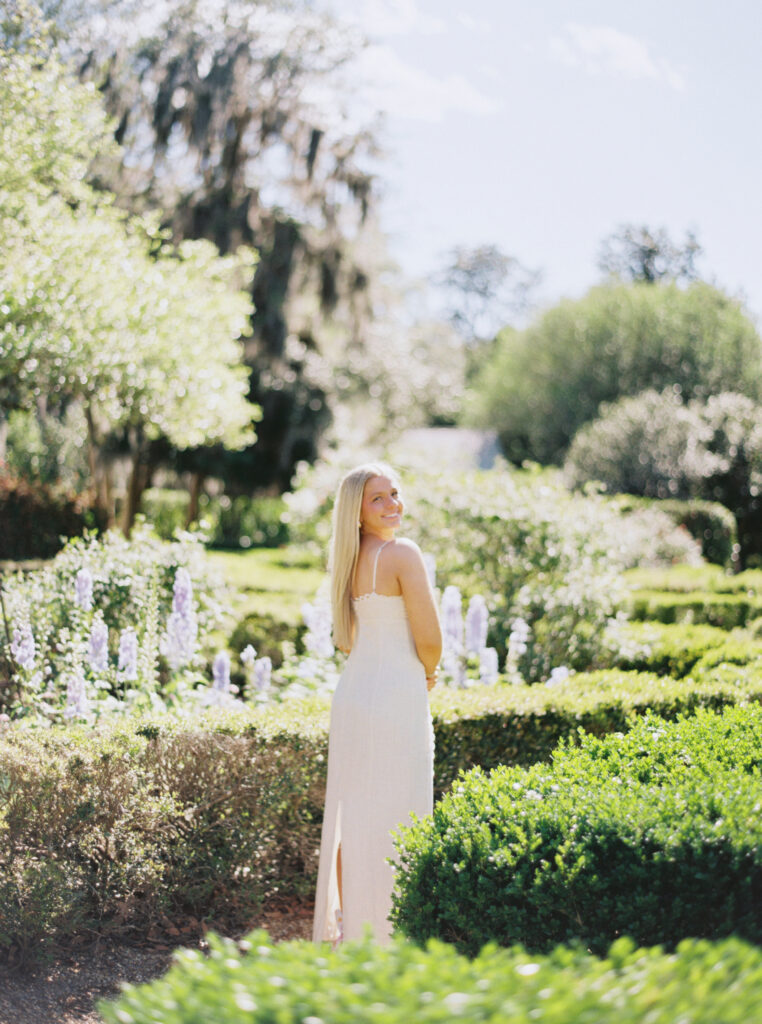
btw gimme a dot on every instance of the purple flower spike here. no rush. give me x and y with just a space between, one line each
23 647
262 671
488 666
98 648
476 625
182 629
221 671
128 655
452 619
76 695
83 594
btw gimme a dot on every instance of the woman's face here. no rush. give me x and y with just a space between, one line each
382 508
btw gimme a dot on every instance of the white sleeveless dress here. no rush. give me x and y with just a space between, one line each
380 768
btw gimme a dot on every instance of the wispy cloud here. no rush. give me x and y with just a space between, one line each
599 49
395 17
404 90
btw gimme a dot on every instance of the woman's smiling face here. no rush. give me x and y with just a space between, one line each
382 508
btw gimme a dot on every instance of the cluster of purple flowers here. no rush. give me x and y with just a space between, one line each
23 647
98 646
83 590
258 670
76 695
182 628
476 628
128 655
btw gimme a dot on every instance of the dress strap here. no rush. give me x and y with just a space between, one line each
375 564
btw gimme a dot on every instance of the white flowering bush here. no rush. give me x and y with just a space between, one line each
548 561
111 625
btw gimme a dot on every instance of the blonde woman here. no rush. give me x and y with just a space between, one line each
381 741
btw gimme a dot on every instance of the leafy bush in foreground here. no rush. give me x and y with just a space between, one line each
655 835
257 982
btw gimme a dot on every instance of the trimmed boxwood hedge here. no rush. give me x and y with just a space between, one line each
679 649
257 982
726 610
116 829
655 834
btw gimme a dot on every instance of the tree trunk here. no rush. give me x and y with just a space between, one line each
196 487
141 473
99 474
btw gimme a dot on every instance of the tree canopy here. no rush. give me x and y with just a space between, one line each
97 307
235 122
543 383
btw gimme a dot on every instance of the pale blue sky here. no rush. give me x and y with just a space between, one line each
541 126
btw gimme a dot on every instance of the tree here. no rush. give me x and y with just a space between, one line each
234 123
636 253
543 383
485 288
100 308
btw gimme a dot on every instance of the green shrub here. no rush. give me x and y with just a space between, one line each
258 982
709 522
267 635
37 520
234 523
714 608
538 386
521 725
674 649
111 831
654 835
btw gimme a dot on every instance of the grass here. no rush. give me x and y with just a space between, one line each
270 581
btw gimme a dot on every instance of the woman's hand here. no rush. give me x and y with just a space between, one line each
431 681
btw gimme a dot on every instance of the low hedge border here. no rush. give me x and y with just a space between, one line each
726 610
655 835
257 982
131 825
677 649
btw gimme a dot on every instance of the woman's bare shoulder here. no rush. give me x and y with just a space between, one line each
406 552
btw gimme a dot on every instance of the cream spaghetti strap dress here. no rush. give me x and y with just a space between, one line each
380 767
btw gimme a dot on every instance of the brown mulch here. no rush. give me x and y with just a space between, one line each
66 992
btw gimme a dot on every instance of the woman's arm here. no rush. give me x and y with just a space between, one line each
420 605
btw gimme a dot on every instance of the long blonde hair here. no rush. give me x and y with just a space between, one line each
345 546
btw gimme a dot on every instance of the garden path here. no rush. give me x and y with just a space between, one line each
67 991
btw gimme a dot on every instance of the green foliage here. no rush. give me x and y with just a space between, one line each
267 635
545 382
235 523
654 835
258 982
55 517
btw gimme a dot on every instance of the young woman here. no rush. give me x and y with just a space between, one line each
381 741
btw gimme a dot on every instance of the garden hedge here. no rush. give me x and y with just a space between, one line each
726 610
257 982
655 835
679 649
134 824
